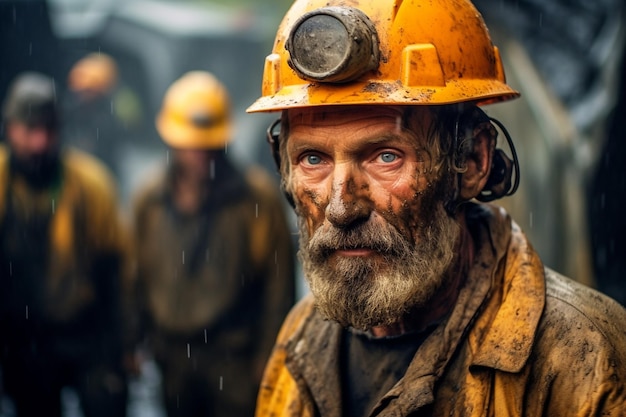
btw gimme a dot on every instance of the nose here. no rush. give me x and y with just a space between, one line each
348 204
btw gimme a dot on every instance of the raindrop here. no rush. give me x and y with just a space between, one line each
212 168
53 206
26 312
221 383
183 257
531 220
188 351
257 211
205 337
167 157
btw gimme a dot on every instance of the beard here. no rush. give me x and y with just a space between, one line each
39 171
363 292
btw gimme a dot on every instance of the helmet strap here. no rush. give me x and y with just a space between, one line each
273 139
504 174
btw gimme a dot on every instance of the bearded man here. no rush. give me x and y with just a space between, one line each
64 265
426 300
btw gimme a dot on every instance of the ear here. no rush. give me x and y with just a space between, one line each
478 163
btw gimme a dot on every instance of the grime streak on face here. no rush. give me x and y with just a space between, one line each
347 164
370 212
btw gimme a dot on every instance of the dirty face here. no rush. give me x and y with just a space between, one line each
376 241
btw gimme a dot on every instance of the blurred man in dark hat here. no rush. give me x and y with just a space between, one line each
62 259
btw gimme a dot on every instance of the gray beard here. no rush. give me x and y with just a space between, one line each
363 292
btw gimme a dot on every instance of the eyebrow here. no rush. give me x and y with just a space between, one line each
303 144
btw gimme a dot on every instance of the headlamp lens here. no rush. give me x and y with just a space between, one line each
320 44
333 44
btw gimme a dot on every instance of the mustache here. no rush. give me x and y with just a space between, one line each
379 237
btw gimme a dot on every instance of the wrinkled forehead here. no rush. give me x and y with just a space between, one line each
314 116
415 121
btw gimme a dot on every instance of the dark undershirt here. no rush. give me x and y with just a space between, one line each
371 366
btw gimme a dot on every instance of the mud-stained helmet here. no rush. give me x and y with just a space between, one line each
392 52
195 113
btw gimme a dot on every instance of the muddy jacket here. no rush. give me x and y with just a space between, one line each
521 341
63 255
224 275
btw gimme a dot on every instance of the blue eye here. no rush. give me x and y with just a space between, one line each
313 159
388 157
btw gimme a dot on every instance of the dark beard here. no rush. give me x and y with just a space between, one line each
39 171
364 292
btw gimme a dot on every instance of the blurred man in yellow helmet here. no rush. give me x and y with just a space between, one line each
104 116
215 262
63 258
426 300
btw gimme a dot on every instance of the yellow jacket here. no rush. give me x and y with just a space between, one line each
239 290
87 250
521 341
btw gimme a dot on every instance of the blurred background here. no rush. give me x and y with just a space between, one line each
153 43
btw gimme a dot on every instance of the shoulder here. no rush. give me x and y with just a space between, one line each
570 303
263 186
581 334
279 393
151 190
580 350
269 201
4 162
4 154
296 319
87 170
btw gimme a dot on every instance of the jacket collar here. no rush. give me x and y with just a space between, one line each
498 310
313 361
514 309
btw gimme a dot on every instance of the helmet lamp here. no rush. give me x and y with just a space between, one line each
333 45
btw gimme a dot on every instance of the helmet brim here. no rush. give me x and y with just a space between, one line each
480 92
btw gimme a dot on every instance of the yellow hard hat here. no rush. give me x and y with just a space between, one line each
411 52
95 73
195 113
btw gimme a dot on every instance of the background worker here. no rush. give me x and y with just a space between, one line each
103 114
215 262
62 263
425 299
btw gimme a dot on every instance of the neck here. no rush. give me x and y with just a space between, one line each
190 192
443 301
